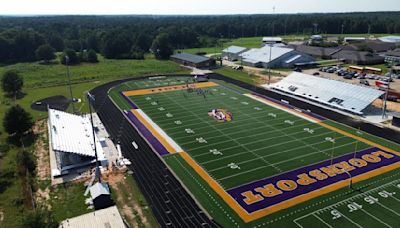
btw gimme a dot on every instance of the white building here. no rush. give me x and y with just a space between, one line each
232 53
274 57
71 143
327 92
390 39
109 217
354 39
271 40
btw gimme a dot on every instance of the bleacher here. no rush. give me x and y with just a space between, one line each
71 139
332 93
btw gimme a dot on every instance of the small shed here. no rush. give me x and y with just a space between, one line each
101 196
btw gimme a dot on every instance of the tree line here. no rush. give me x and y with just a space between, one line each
121 37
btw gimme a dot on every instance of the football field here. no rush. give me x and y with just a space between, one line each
254 157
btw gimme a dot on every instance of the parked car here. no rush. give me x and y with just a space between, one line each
315 73
298 69
348 76
364 82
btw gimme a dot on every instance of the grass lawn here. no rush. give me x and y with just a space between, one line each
261 142
41 81
255 42
238 75
68 201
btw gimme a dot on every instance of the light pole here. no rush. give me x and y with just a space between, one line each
269 63
91 98
69 84
385 101
355 149
350 177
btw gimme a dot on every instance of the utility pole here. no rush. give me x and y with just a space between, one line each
385 101
342 29
69 84
269 63
91 98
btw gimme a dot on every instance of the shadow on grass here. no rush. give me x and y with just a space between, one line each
26 140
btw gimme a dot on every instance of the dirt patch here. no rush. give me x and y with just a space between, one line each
43 197
131 210
390 105
42 151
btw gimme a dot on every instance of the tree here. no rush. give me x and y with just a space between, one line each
17 121
72 57
56 42
45 52
40 218
136 53
12 83
162 47
91 56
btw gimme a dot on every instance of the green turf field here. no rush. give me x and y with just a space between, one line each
262 141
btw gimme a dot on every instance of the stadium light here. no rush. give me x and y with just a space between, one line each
69 83
90 99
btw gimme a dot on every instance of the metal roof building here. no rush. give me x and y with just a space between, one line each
270 39
232 53
71 139
390 39
332 93
107 218
192 60
274 57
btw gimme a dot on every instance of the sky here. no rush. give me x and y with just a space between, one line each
197 7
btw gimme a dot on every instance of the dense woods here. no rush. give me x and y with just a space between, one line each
132 36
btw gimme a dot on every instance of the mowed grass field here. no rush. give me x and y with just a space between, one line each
261 141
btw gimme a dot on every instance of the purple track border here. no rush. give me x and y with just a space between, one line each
300 190
158 147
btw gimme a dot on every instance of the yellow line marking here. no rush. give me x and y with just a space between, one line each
358 138
215 186
168 88
153 131
321 191
286 108
299 199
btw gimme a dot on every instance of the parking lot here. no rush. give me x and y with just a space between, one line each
370 78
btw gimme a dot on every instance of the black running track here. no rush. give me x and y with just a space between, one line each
169 201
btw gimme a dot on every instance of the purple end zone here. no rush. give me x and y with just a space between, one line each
157 146
236 192
129 100
318 117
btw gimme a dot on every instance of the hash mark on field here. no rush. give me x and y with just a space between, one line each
350 199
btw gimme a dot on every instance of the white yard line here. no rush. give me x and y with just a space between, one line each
212 126
320 219
374 217
285 151
278 163
350 199
262 148
293 112
259 134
